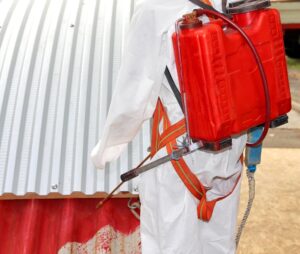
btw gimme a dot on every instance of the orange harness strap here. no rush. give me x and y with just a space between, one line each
168 139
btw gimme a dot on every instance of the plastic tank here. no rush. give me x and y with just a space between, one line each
221 81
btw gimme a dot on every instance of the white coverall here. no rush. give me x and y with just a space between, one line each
169 223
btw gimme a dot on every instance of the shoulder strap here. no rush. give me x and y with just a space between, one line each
203 5
174 87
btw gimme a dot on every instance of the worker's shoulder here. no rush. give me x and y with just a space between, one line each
153 5
161 12
147 9
146 6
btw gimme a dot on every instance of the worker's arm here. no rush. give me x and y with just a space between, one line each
140 76
137 88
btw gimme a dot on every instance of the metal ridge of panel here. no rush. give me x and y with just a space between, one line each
58 65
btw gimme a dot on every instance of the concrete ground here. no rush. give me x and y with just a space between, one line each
274 223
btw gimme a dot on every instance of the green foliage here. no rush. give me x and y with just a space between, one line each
293 63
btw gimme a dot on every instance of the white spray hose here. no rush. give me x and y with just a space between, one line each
252 159
251 197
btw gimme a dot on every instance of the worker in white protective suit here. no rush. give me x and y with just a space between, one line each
169 222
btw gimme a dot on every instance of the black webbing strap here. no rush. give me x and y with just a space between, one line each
203 5
208 7
174 87
224 6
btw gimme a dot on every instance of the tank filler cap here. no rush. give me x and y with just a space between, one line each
247 6
190 21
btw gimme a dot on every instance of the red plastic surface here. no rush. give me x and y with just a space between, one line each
67 226
224 91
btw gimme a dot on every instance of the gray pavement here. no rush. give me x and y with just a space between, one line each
274 223
295 89
288 135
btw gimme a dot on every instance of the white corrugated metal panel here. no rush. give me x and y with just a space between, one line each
58 65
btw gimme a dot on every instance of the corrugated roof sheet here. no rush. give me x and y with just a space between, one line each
58 66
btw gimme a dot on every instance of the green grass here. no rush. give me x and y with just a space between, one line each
293 63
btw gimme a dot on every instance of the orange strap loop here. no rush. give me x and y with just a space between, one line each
207 2
168 139
170 132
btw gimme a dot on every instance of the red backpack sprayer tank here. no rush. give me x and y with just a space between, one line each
232 72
